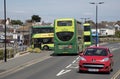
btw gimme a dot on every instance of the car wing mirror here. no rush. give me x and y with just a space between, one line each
111 55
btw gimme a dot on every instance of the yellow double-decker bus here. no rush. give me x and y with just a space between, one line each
42 37
87 34
68 34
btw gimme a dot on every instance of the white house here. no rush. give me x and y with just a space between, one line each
104 31
117 27
107 31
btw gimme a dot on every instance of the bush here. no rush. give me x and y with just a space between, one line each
1 54
10 53
36 50
29 49
117 33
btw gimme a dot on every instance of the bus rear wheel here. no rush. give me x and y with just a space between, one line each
45 48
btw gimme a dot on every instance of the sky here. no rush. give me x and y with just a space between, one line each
49 10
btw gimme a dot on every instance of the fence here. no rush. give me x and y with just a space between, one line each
11 49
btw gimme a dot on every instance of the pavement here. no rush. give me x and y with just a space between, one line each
22 61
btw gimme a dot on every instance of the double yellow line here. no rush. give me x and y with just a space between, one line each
115 76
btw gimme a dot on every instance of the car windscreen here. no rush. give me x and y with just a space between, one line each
95 52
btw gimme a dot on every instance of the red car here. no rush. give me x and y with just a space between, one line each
96 59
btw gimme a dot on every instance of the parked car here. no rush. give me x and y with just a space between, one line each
96 59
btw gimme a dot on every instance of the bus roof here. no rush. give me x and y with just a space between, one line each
86 24
61 19
64 19
42 26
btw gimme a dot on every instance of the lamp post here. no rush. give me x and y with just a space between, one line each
96 18
5 53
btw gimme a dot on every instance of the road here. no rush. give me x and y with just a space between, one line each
66 67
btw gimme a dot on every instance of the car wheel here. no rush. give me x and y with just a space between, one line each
80 71
112 70
108 72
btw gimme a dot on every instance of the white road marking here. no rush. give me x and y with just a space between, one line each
74 61
68 66
74 67
63 72
113 49
77 57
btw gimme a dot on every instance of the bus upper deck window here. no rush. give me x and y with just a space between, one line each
64 23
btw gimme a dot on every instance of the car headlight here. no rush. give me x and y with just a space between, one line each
105 59
82 58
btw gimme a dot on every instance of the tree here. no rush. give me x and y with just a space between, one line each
36 18
117 33
16 22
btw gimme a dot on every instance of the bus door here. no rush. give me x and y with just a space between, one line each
37 43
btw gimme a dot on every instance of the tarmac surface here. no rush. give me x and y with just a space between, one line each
22 61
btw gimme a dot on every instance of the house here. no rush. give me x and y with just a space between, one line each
117 27
23 34
107 31
104 31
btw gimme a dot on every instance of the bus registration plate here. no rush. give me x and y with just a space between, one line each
63 46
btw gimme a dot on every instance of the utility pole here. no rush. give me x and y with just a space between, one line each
96 19
5 53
